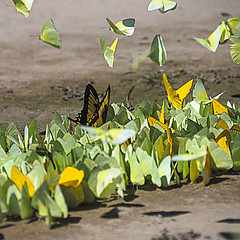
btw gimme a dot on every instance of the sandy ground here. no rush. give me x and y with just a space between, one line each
37 80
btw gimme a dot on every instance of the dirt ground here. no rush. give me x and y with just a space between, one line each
37 80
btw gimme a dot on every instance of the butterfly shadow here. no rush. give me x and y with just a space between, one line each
166 214
62 222
127 205
230 220
7 226
112 214
230 235
86 207
1 236
217 180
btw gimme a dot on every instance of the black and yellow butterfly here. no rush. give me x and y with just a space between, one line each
93 112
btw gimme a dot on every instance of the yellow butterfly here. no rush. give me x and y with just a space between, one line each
176 97
152 121
71 177
19 179
218 108
93 112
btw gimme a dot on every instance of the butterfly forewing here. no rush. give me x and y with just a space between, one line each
102 112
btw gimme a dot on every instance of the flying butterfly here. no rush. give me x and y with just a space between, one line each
50 35
108 51
93 112
221 34
124 27
23 6
176 97
162 5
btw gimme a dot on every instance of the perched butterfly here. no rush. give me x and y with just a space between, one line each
124 27
235 49
23 6
50 35
158 52
176 97
162 5
71 177
93 112
222 33
19 179
152 121
218 108
108 52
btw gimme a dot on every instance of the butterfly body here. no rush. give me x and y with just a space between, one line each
93 112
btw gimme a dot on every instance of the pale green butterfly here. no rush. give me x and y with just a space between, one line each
23 6
114 136
158 52
228 28
124 27
200 94
235 49
211 43
50 35
222 33
162 5
108 52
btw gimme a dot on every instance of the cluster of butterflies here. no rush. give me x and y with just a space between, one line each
125 27
228 29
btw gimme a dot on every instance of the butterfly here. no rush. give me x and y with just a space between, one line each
23 6
108 52
124 27
235 49
158 52
176 97
222 33
71 177
50 35
114 136
152 121
93 112
162 5
19 179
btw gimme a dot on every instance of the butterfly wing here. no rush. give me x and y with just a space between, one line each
90 106
158 52
225 32
50 35
108 52
28 4
173 97
199 92
19 179
234 26
102 111
235 49
21 7
167 6
184 90
155 4
124 27
211 43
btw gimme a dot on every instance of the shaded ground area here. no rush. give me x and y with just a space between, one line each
37 80
189 211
